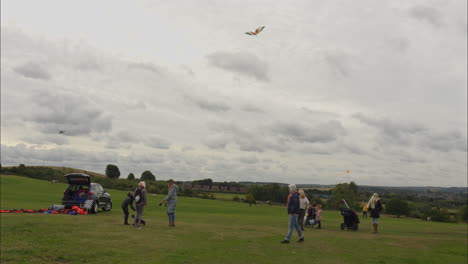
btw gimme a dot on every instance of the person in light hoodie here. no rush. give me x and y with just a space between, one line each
171 201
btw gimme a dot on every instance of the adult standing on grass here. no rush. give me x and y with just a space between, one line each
303 203
375 206
364 210
171 200
293 212
140 201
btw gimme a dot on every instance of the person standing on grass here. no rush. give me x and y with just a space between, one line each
364 210
318 215
293 212
140 201
171 200
375 206
303 203
128 201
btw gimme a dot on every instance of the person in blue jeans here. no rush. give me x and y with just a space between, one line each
293 212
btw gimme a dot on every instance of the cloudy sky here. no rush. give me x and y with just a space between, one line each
176 87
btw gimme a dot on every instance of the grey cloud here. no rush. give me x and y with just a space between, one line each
248 159
252 109
159 143
32 70
209 105
339 64
57 139
61 111
324 132
406 134
426 13
446 141
318 113
399 132
217 141
241 62
145 66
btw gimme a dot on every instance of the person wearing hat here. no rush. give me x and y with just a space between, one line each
170 200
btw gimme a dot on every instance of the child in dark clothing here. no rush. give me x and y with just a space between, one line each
128 201
310 214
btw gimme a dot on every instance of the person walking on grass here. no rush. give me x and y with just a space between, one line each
364 210
303 203
128 201
375 206
140 201
171 200
293 212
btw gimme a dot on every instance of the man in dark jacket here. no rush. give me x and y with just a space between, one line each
293 212
128 201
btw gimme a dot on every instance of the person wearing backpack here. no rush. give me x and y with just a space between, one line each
140 201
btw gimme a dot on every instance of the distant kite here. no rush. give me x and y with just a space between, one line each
258 30
348 171
62 132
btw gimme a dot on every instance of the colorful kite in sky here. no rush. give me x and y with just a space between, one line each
258 30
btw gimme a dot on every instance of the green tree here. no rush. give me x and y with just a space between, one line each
131 176
464 213
397 207
249 198
112 171
346 191
147 176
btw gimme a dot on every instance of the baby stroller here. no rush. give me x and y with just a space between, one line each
350 218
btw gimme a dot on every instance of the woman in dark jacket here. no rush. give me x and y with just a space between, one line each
375 206
293 212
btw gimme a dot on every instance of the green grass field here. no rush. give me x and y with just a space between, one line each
208 231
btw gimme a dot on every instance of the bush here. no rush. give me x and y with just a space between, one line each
438 215
212 197
236 198
463 213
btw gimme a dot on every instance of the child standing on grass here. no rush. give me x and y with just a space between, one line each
128 201
318 215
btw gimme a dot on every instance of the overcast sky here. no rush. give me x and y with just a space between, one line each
176 87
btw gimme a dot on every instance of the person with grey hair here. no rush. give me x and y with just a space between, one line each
293 212
140 201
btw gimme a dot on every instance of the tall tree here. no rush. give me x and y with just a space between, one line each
397 207
112 171
131 176
346 191
147 176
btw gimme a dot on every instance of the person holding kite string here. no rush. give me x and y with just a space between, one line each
140 201
375 206
171 200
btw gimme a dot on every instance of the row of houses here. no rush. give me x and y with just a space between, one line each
215 188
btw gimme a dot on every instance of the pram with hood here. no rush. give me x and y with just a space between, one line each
350 218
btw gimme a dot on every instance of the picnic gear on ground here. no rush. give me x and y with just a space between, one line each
75 210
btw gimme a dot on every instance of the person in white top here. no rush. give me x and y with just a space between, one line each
303 203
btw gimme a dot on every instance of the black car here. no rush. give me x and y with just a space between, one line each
84 194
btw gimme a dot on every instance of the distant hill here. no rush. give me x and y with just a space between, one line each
63 170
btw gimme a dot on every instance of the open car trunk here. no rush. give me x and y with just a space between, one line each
78 191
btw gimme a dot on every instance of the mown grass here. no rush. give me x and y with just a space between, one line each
208 231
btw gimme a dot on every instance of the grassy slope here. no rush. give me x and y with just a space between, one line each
207 231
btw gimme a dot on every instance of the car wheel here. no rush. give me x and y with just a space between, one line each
108 206
342 226
94 207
